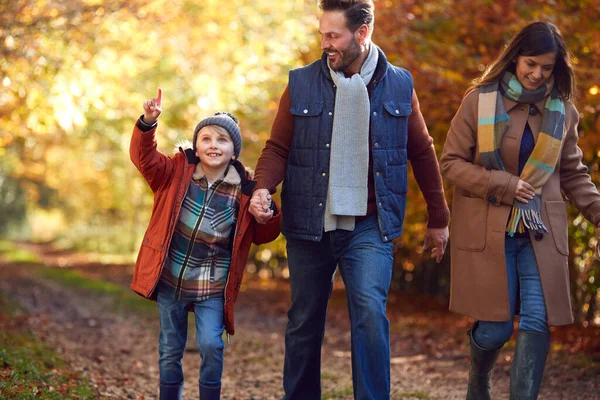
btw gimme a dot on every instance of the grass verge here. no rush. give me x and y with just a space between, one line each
122 299
28 368
10 253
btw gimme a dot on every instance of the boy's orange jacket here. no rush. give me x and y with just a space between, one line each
169 178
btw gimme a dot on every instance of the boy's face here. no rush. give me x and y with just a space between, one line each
214 147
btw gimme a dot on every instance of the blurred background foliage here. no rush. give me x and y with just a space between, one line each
73 76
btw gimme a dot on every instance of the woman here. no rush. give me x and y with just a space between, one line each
511 149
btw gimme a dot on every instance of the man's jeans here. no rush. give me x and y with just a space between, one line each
365 263
524 281
173 316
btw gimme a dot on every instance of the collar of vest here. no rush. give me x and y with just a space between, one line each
380 70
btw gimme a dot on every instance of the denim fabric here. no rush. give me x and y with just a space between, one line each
524 284
173 316
365 264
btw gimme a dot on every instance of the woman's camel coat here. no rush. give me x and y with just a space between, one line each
481 204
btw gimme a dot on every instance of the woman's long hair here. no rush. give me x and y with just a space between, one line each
534 39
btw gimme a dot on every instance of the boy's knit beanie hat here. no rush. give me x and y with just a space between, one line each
224 120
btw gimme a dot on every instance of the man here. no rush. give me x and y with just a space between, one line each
345 128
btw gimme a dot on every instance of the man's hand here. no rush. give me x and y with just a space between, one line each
438 237
153 108
260 206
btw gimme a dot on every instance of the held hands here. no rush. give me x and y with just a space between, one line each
438 237
524 192
260 206
153 108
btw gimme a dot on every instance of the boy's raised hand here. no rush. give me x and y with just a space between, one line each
153 108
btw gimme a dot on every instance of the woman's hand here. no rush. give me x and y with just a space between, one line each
153 108
524 192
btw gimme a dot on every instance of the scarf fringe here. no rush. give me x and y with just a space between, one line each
519 219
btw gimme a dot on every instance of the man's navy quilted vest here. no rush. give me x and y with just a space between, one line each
304 192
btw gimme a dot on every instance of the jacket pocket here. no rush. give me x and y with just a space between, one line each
557 215
149 258
397 109
469 222
152 242
308 124
306 109
392 130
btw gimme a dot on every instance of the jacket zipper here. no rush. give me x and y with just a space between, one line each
191 243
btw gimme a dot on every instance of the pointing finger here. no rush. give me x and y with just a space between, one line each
159 98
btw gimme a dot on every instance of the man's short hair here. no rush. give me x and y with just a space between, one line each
357 12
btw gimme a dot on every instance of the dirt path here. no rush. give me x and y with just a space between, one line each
119 353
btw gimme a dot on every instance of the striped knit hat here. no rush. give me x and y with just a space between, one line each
224 120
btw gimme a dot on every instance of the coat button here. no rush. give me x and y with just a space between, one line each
492 199
305 111
239 233
533 111
538 236
147 240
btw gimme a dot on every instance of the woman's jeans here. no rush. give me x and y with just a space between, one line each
525 286
173 316
365 264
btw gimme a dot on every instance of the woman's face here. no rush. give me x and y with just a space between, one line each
533 71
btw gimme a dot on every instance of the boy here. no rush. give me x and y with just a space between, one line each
196 246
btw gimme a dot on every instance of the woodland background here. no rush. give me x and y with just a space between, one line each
74 74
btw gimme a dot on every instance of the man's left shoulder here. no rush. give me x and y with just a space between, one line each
396 70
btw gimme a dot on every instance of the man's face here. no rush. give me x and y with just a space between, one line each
340 44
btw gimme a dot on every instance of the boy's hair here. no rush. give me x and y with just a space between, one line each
226 121
357 12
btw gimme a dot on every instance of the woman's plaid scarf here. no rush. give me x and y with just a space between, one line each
492 124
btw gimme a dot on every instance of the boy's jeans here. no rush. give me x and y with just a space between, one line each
524 280
173 316
365 263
